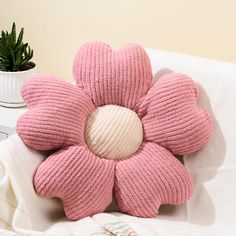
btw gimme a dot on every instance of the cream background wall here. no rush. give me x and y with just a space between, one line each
56 28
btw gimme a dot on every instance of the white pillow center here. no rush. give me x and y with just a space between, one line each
113 132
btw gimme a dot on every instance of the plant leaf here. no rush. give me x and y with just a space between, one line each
3 51
13 32
20 38
14 54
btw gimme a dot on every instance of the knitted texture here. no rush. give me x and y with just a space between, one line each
77 176
113 132
155 175
57 113
118 77
104 151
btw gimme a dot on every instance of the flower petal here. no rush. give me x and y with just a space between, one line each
171 116
152 177
109 76
83 181
57 113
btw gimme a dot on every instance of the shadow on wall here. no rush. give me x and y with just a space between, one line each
203 166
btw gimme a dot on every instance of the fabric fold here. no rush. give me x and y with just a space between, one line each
21 210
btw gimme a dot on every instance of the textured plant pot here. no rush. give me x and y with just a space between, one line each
10 87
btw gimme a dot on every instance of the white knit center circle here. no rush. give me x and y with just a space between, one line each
113 132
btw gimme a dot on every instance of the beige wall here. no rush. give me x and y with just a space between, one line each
56 28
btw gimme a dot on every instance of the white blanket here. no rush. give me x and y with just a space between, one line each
209 212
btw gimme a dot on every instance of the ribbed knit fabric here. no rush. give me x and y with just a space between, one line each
77 176
153 176
172 123
57 113
171 116
113 132
109 76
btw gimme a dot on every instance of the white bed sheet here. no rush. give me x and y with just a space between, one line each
209 212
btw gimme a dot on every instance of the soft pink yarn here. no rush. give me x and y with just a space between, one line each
173 124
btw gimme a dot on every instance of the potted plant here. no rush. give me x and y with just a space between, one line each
15 67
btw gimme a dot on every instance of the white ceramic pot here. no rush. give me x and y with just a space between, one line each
10 87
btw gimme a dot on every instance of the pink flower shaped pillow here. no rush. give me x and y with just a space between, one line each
115 133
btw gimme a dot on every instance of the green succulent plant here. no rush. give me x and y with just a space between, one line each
15 55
